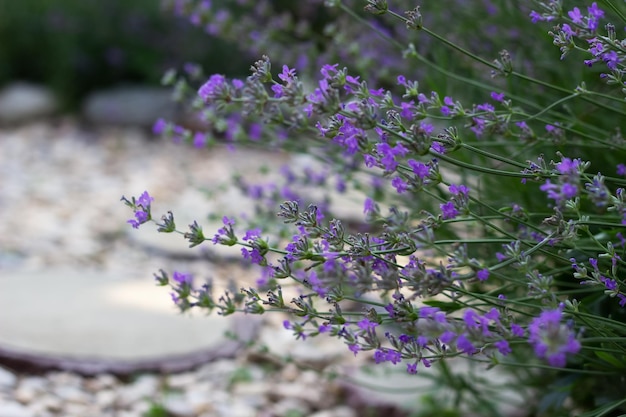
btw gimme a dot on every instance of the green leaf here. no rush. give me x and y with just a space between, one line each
604 410
607 357
446 306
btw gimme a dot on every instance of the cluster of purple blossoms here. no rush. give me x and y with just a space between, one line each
551 339
400 140
568 171
225 235
552 9
609 283
253 252
141 207
584 27
458 204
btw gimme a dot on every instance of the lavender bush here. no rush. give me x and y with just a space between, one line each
491 166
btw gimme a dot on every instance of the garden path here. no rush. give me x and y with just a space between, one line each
77 293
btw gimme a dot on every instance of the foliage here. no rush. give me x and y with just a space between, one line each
76 46
490 165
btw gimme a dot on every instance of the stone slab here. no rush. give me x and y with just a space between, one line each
94 317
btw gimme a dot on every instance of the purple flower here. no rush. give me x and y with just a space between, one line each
387 158
407 110
559 193
419 169
324 328
478 126
503 347
517 330
387 355
181 278
458 190
550 339
595 14
426 128
145 200
213 88
464 345
141 207
595 11
137 221
354 348
253 255
238 84
576 16
278 90
317 285
429 312
470 317
390 310
448 210
379 356
399 184
493 314
411 368
370 161
609 283
437 147
394 356
252 234
486 107
159 127
199 140
366 324
499 97
568 166
447 336
621 170
482 275
567 29
522 125
328 71
288 75
369 206
612 59
535 17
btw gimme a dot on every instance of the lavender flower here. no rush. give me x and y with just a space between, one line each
552 340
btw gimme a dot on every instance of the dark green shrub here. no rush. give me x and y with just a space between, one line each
79 45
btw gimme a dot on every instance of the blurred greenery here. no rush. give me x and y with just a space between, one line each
76 46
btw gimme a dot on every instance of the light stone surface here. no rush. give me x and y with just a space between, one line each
7 379
130 105
91 314
21 102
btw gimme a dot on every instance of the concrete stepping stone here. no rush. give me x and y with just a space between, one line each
91 321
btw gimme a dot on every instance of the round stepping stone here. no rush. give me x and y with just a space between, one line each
90 321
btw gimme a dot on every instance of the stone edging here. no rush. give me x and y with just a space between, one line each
244 329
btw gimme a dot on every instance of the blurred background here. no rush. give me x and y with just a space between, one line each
78 46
